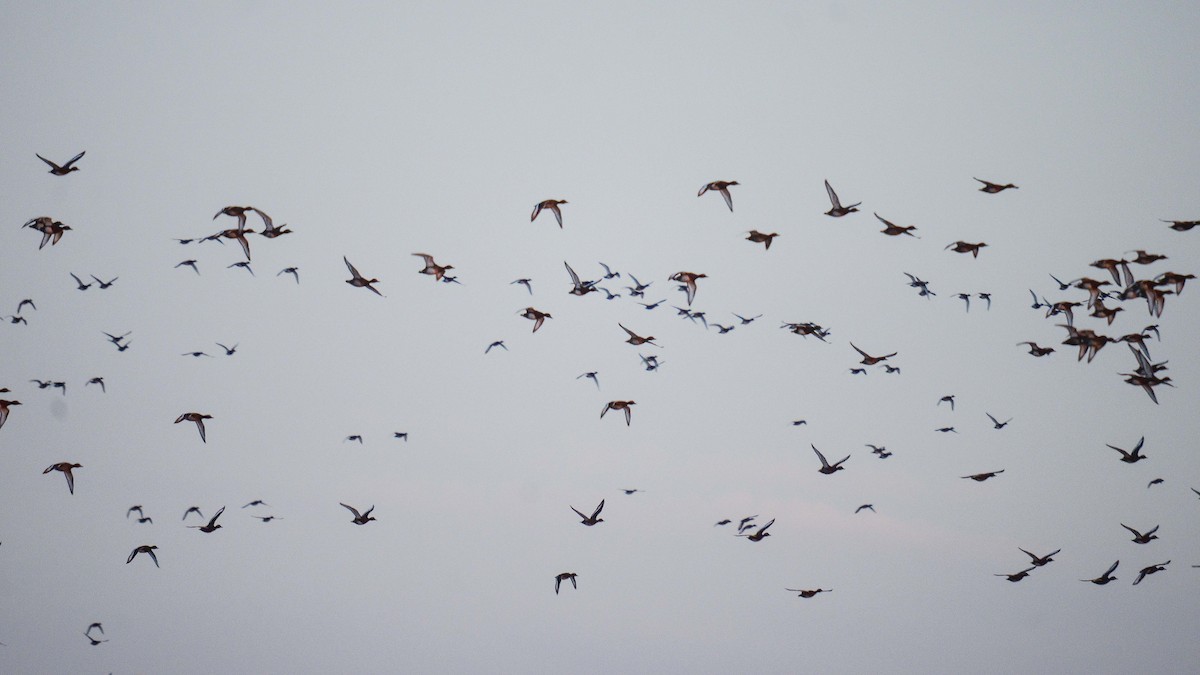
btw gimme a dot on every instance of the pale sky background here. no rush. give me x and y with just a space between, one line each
375 131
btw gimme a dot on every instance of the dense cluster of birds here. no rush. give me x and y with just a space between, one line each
1123 286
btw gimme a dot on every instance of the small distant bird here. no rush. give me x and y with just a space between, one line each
79 282
797 423
244 265
744 523
565 576
1134 456
256 502
722 329
761 533
65 468
270 229
591 375
148 550
762 238
137 508
267 519
552 205
826 467
892 229
535 316
858 371
993 188
497 343
61 385
228 350
964 247
891 369
1156 481
145 520
1139 538
104 284
721 186
212 523
746 321
629 491
578 287
360 518
198 418
871 507
1035 350
608 273
980 477
619 405
592 519
722 522
837 210
688 279
189 263
1038 561
808 594
359 281
65 168
24 302
99 381
949 398
196 354
868 360
1182 225
1017 576
635 339
947 430
294 271
965 297
527 283
988 298
1147 571
402 435
1106 577
94 626
997 424
352 438
194 509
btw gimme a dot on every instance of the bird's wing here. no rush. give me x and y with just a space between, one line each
578 513
832 196
728 198
574 276
598 509
352 510
824 463
74 159
351 268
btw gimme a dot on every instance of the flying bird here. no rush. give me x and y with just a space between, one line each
1017 576
1147 571
1134 456
964 247
997 424
551 204
527 283
689 282
193 509
360 518
4 410
591 375
212 523
148 550
65 168
993 188
807 593
358 280
837 210
565 576
497 343
619 405
826 467
1038 561
870 507
721 186
198 418
761 533
980 477
65 468
592 519
535 316
635 339
868 360
1106 577
189 263
1140 538
762 238
294 271
892 229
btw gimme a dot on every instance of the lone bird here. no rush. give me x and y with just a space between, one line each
497 343
65 168
997 424
762 238
552 205
619 405
592 519
721 186
198 418
868 360
294 271
65 468
826 467
808 594
870 507
980 477
591 375
993 188
565 576
360 518
1132 457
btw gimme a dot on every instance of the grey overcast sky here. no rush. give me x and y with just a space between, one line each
376 130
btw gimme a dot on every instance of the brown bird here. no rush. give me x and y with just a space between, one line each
432 268
1106 577
808 594
1147 571
592 519
619 405
1036 350
565 576
1016 577
689 281
993 188
892 229
198 418
980 477
360 518
837 210
762 238
1140 538
869 360
721 186
759 534
65 468
358 280
1133 456
964 247
65 168
4 410
239 234
238 212
635 339
535 316
551 204
1182 225
149 550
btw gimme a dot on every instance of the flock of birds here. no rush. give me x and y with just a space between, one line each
1105 298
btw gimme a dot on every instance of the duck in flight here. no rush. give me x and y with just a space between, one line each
762 238
689 282
837 210
552 205
198 418
358 280
536 317
826 467
1040 560
893 230
1106 577
4 405
1140 538
807 593
592 519
721 186
65 168
619 405
761 533
635 339
212 525
1017 576
993 188
1134 456
65 468
980 477
565 576
360 518
148 550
